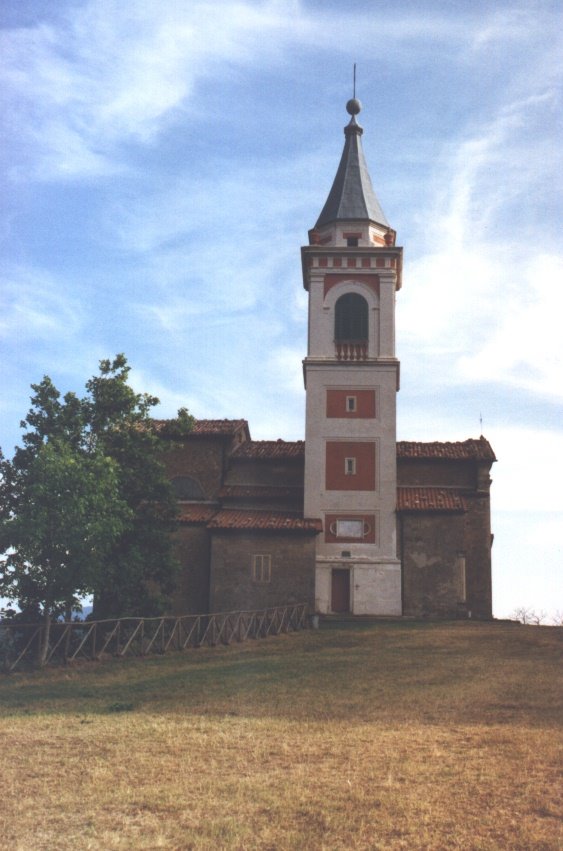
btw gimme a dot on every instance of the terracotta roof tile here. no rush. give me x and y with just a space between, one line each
267 520
199 514
266 449
430 499
207 428
219 426
467 450
260 492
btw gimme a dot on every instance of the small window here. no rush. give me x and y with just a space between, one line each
352 242
350 466
351 404
261 568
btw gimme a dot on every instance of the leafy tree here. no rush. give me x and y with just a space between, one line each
140 571
85 504
61 512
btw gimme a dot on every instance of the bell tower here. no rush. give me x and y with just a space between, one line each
351 270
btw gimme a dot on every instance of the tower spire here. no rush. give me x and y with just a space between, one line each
352 197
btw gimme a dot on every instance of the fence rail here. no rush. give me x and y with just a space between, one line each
89 640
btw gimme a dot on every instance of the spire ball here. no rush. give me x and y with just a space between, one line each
353 107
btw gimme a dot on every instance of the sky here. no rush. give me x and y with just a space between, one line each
162 163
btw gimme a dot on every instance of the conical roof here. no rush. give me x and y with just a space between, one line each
352 195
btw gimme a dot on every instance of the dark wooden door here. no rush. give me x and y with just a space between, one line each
340 596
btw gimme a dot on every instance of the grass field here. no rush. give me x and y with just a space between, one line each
385 735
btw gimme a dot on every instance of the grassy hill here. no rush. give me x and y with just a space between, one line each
376 735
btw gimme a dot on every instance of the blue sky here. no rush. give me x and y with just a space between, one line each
162 164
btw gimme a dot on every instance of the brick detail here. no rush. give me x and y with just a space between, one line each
364 477
365 403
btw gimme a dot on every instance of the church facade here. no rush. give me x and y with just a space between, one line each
349 520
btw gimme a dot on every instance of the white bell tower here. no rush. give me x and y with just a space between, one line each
351 270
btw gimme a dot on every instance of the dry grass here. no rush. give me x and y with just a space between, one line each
372 736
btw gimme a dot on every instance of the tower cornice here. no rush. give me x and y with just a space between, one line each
317 260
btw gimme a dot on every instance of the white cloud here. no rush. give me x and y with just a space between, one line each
525 350
117 72
34 307
481 285
104 72
529 472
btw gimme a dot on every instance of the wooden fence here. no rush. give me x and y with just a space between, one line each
78 640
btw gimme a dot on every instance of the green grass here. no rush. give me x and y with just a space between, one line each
389 734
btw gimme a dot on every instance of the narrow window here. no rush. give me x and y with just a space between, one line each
261 568
462 578
351 404
352 242
350 466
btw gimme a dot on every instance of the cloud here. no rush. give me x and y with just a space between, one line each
94 76
527 327
108 73
34 307
477 285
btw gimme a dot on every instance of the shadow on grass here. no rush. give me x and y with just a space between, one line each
386 672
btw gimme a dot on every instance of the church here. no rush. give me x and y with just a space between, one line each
350 520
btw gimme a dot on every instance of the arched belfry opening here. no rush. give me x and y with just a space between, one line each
351 319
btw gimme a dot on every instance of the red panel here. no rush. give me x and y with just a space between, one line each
364 477
365 403
330 529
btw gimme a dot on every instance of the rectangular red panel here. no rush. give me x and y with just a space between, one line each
337 453
338 404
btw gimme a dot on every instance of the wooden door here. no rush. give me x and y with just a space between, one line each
340 592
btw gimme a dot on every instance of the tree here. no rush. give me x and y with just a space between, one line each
141 568
85 504
60 514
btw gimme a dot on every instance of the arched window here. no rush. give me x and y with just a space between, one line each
351 319
185 487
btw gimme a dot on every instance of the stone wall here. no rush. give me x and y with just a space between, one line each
202 458
438 473
192 550
292 570
432 552
278 472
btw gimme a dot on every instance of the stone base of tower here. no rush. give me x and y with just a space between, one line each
358 588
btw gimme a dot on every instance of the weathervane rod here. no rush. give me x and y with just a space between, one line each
354 95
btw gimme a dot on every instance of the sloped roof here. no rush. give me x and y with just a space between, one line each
430 499
267 520
218 426
209 428
466 450
260 491
266 449
352 195
199 514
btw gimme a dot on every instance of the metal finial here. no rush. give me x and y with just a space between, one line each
353 107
